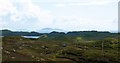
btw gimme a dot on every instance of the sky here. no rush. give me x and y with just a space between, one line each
68 15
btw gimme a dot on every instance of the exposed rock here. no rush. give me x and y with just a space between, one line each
20 47
13 57
14 50
7 52
44 47
64 45
33 56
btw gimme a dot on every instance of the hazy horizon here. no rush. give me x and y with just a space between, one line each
46 30
68 15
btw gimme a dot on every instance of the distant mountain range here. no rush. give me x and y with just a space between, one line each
48 30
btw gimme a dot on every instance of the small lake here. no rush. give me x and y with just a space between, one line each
31 36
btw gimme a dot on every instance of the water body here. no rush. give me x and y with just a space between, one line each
31 36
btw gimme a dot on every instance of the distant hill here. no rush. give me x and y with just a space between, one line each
18 33
92 35
53 34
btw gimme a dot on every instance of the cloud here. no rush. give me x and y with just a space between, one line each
20 11
60 5
85 2
70 1
2 23
5 7
80 23
25 14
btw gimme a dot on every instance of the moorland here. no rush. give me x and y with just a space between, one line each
75 46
